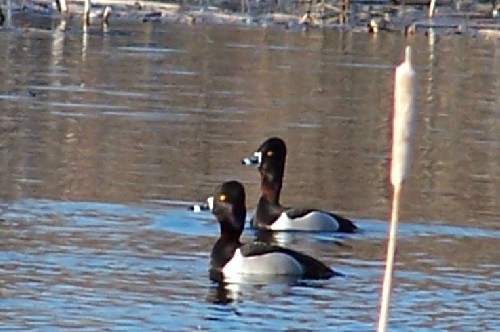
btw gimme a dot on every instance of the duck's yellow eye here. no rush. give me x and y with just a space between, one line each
222 198
270 153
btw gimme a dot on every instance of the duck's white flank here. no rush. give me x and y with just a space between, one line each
313 221
275 263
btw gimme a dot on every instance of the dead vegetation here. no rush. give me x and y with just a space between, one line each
374 16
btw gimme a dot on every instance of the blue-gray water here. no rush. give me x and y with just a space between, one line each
107 137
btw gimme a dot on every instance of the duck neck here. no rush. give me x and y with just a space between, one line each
222 251
232 225
271 188
229 234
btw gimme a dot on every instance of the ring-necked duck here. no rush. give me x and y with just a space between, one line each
270 215
231 258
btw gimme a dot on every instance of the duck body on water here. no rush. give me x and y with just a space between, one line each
270 160
230 259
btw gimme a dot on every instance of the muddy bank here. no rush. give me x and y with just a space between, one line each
373 16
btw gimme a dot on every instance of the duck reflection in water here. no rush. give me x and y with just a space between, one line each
225 291
288 238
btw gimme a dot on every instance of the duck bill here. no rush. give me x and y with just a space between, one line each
206 206
210 203
253 160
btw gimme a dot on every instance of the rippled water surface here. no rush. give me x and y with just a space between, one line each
107 136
